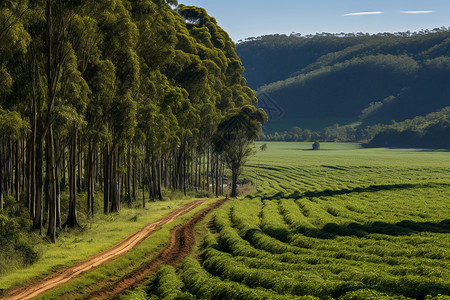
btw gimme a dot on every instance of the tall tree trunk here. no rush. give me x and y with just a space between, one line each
51 192
128 176
1 173
234 177
222 176
63 170
134 170
115 201
39 207
32 176
72 218
158 167
106 179
90 177
93 176
17 171
58 195
80 166
184 173
217 175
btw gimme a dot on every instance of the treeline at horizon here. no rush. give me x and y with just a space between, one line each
430 131
407 33
121 97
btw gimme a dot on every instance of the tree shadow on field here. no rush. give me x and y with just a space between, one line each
333 230
372 188
402 228
415 289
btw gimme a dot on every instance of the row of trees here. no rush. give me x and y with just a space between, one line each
353 34
328 134
121 95
429 131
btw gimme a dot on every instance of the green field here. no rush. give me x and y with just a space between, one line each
340 223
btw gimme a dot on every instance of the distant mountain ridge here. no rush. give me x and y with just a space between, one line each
318 81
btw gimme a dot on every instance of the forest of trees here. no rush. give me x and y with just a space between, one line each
317 81
122 97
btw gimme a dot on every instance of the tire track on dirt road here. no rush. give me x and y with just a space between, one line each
181 241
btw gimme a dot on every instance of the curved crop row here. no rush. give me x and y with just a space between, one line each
168 284
201 284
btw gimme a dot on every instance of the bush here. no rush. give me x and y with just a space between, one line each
14 251
9 229
28 251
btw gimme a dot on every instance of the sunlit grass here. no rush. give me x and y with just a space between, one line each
97 234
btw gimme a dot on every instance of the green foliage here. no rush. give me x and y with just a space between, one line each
137 294
8 229
30 255
168 284
234 136
15 249
369 294
203 285
316 146
12 125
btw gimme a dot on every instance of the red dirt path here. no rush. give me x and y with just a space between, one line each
64 275
181 242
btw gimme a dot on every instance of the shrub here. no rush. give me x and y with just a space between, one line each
8 229
28 251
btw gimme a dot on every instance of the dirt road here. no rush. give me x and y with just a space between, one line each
54 280
181 242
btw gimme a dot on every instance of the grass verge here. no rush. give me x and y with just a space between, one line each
98 233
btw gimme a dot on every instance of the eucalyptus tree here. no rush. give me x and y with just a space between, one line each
73 96
234 138
101 79
87 39
120 36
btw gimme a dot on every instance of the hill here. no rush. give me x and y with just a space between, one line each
317 81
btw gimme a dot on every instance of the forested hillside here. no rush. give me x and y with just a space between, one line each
317 81
119 98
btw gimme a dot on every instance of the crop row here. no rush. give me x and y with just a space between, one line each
249 244
204 286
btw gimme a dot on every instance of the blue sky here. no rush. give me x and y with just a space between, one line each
251 18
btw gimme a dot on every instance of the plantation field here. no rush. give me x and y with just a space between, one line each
340 223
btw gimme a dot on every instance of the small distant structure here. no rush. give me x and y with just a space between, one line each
316 145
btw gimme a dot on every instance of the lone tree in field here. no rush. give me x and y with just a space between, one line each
234 138
316 146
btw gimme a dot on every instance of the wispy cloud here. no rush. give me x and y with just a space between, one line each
364 13
416 11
